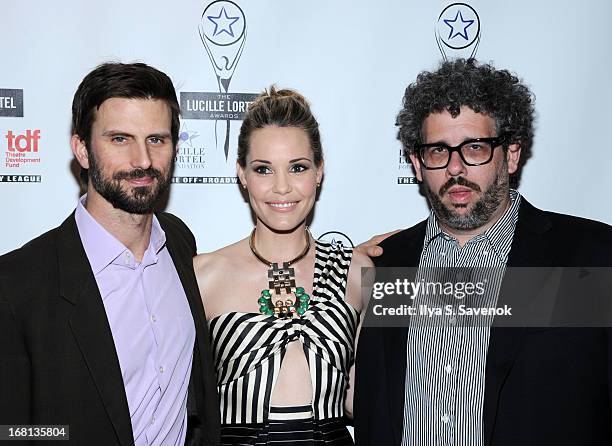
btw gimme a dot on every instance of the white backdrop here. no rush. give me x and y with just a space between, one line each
351 59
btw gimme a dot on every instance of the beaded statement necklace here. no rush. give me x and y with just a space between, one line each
282 279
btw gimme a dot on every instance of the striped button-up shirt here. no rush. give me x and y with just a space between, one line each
446 356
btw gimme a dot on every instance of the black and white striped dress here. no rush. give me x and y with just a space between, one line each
249 349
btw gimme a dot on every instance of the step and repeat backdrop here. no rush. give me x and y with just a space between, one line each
351 59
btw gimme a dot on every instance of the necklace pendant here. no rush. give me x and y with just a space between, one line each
284 309
281 278
296 303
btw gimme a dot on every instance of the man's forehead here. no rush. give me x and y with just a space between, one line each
120 101
126 110
466 118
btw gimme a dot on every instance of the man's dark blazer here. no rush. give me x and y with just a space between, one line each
58 363
543 386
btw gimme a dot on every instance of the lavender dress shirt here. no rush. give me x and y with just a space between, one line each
152 328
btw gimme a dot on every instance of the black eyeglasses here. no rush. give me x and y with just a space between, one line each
473 152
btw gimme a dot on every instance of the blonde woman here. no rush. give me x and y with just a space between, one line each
284 308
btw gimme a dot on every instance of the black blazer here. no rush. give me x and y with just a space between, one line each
543 386
58 363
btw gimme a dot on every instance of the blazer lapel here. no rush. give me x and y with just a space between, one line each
529 248
201 404
184 269
91 329
395 352
406 253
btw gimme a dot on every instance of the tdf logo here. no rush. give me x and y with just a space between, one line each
27 142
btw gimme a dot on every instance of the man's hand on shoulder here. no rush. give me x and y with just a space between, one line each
371 248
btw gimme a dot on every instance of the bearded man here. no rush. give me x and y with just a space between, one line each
467 129
102 328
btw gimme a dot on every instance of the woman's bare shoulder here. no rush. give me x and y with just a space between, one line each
209 262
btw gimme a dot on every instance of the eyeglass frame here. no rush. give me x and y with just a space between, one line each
495 142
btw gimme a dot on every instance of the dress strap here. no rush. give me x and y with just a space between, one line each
332 263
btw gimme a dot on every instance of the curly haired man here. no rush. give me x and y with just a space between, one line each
468 129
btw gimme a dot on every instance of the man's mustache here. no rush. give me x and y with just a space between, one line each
459 181
137 173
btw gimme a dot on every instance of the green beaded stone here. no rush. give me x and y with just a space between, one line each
299 291
266 293
262 300
269 312
301 310
263 309
304 298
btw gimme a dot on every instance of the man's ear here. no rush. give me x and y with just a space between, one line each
416 163
513 157
79 149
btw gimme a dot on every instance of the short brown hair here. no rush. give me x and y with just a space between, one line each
118 80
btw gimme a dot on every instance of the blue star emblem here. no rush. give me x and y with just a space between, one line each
186 136
225 23
455 28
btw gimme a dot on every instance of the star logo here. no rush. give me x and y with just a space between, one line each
458 29
186 136
223 24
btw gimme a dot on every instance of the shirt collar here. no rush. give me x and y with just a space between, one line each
158 237
102 248
499 235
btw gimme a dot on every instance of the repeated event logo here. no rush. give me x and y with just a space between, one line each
405 173
191 154
21 152
336 238
223 32
11 102
458 31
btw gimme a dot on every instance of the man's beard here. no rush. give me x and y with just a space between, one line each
483 210
140 200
